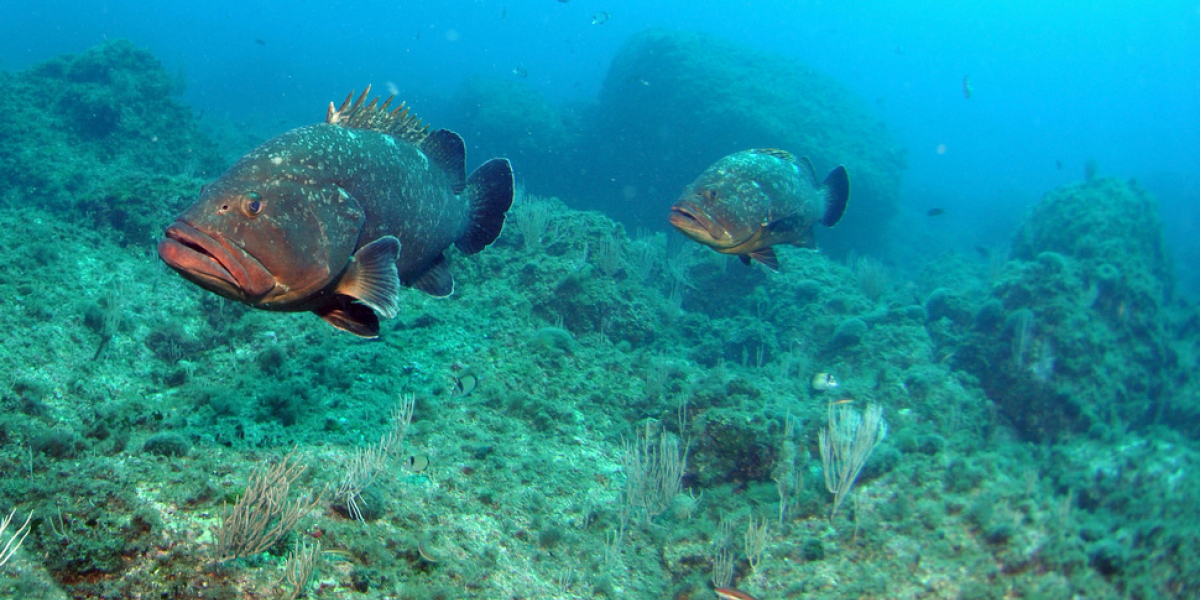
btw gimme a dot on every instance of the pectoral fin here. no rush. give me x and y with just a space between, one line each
756 247
371 277
767 257
749 245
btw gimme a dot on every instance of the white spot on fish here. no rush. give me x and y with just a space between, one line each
277 160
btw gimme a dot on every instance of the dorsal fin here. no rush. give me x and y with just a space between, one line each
447 150
776 152
806 167
398 123
801 162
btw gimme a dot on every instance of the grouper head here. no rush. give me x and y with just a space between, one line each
277 242
708 213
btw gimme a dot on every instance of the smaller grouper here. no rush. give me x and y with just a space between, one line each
750 201
333 218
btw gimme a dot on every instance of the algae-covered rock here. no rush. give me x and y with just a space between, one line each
1113 228
849 333
943 303
553 342
99 134
675 102
1082 347
166 444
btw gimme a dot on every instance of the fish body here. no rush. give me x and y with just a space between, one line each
732 594
750 201
335 217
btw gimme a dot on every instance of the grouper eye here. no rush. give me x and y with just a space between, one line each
252 204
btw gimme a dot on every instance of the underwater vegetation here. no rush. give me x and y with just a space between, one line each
592 414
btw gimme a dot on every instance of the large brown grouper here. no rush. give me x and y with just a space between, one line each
750 201
334 217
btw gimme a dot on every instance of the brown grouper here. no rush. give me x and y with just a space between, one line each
335 217
750 201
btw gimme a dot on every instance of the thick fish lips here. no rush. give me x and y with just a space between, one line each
693 222
214 264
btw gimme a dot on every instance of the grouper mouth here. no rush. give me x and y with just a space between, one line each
214 264
696 224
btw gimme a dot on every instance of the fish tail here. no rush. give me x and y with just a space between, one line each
490 193
837 194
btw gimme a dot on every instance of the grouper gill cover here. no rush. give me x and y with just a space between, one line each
333 218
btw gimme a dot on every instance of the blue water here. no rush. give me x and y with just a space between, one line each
1054 84
1114 81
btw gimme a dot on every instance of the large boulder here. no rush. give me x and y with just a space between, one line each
675 102
101 137
1114 229
1073 339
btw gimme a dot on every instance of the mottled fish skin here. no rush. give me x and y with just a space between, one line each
281 229
749 201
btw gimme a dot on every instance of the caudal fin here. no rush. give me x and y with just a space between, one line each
490 193
837 194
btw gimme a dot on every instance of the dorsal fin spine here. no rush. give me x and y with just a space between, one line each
346 102
361 97
398 123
